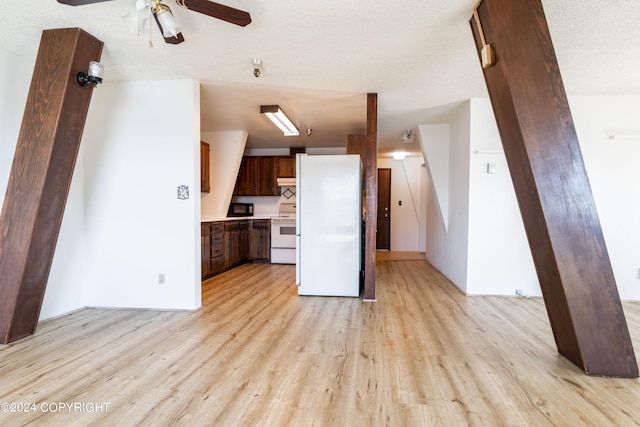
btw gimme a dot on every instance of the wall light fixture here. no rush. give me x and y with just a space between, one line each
93 77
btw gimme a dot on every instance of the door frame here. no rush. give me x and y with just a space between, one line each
382 183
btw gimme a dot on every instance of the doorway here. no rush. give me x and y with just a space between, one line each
383 235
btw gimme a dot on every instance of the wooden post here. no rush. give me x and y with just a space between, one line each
41 174
367 147
552 188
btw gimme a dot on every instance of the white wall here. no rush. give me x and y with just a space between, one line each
225 155
499 257
64 291
435 141
142 141
612 168
123 223
405 188
447 245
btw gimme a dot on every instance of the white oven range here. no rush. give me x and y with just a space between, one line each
283 235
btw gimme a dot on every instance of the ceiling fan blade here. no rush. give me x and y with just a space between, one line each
174 40
217 10
80 2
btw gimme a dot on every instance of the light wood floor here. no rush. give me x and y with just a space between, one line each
259 355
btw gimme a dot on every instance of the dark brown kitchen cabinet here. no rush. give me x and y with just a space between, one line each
205 249
236 243
259 240
243 249
268 185
205 181
227 244
257 176
217 247
211 248
285 167
248 181
231 253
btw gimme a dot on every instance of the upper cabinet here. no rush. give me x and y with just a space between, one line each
285 167
205 184
268 186
258 175
248 181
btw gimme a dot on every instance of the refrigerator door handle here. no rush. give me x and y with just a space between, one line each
298 265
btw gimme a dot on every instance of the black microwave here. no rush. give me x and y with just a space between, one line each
240 209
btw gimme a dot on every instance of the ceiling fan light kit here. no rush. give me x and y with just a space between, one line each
166 20
171 31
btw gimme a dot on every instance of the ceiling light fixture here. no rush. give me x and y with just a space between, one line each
407 137
399 155
93 77
280 119
142 9
166 20
137 17
256 67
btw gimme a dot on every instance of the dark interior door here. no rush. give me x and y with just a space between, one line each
383 236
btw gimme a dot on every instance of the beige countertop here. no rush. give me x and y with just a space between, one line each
229 218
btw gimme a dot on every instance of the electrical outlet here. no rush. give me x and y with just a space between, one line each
161 278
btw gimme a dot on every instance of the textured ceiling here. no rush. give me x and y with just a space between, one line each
321 58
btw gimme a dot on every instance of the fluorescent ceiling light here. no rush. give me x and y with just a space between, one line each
280 119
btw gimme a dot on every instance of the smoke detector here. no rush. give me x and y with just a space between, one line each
407 137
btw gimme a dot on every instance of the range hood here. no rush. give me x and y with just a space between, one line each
286 182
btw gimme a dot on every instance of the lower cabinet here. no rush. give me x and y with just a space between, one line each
217 247
260 240
227 244
231 252
205 249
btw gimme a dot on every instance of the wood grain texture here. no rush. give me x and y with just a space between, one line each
41 174
257 354
219 11
553 190
367 147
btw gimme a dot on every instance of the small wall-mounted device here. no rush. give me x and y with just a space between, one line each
183 192
486 53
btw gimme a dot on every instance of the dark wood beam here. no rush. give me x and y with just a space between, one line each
367 147
552 188
41 174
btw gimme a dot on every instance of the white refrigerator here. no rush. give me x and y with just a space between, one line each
328 224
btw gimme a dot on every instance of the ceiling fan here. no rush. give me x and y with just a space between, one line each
165 20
